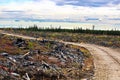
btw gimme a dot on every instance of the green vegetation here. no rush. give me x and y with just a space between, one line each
78 30
75 35
30 45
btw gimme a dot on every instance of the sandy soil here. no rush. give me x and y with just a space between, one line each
106 60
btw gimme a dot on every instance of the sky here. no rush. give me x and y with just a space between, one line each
61 10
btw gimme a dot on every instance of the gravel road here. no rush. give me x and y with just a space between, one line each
106 61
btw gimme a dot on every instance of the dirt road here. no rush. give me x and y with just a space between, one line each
106 60
21 36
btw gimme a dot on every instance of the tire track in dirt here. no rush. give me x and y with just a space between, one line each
117 61
106 61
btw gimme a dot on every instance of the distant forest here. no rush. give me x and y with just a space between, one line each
78 30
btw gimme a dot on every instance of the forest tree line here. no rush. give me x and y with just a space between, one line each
77 30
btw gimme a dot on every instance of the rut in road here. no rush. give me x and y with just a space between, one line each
117 60
106 61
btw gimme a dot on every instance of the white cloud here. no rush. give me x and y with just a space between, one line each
47 9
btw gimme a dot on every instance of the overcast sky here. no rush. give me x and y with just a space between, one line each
63 10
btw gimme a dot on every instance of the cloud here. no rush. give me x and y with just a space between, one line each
18 1
88 3
92 19
114 18
12 11
59 10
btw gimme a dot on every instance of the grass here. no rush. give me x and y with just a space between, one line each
85 52
6 45
99 39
